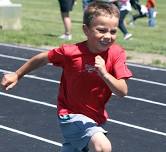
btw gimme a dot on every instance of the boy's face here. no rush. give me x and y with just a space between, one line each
101 33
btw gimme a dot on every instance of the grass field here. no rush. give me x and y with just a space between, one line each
42 25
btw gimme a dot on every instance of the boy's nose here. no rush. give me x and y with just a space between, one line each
107 35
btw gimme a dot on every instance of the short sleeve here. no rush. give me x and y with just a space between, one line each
120 68
56 56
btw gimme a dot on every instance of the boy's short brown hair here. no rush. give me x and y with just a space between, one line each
99 9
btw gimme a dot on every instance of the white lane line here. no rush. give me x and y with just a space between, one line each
16 58
146 67
137 127
28 100
110 120
58 82
30 135
147 81
34 77
44 49
23 47
43 79
145 100
13 57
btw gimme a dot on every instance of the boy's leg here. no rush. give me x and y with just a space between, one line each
99 142
78 130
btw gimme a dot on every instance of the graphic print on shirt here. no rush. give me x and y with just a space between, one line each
89 68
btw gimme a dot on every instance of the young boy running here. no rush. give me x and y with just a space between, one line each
92 71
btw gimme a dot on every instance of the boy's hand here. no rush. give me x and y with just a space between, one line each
100 65
9 81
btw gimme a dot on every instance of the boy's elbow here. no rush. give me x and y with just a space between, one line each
123 90
122 93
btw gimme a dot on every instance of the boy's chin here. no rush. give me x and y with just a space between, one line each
102 50
105 47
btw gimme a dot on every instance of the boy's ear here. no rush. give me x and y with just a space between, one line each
85 29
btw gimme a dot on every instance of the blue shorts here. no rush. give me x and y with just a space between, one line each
77 131
66 5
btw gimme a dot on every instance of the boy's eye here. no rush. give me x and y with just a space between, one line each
102 30
113 31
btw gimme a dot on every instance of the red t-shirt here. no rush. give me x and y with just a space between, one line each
81 89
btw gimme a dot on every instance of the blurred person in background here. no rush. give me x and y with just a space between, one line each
151 6
139 8
65 7
125 8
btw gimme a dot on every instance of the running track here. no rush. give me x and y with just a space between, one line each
28 121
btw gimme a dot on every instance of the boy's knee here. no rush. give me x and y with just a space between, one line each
100 143
106 147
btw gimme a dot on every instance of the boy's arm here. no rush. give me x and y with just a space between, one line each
118 87
11 79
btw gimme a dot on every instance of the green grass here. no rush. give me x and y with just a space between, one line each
42 25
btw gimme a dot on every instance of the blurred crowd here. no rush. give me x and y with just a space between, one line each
135 9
